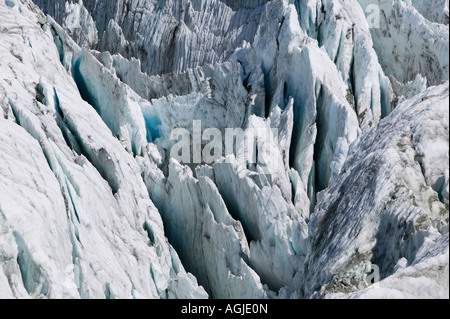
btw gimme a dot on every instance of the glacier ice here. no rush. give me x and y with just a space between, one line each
341 28
93 205
171 35
407 44
421 280
79 228
200 227
390 209
438 12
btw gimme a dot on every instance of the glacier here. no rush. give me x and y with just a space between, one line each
94 205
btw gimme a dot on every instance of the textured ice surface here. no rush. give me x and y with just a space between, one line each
387 202
77 220
437 12
93 206
407 44
170 35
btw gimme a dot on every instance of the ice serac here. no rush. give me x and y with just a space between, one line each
280 76
118 105
286 64
407 44
79 24
76 217
438 12
350 167
387 205
275 231
74 18
421 280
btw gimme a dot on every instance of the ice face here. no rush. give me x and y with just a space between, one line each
171 36
93 204
85 218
